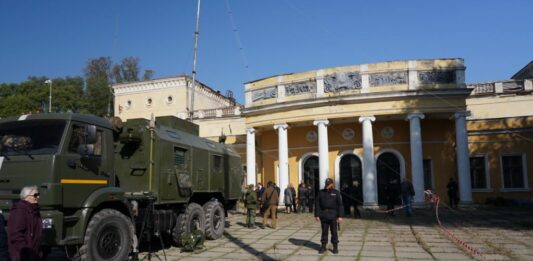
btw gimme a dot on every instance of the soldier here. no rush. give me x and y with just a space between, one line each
329 211
250 203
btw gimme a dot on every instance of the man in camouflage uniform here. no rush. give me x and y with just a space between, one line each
250 203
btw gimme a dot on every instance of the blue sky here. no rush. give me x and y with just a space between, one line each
56 38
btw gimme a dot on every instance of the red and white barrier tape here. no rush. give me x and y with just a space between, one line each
435 199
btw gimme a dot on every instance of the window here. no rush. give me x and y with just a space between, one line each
217 163
77 137
428 174
31 137
478 173
180 160
513 172
98 144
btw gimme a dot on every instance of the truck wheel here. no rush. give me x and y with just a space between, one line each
192 219
109 236
215 220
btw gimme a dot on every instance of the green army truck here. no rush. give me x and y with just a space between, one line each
107 185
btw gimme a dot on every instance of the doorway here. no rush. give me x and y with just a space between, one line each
388 172
351 170
310 173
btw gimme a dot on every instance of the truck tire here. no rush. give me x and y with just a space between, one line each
109 236
192 219
215 219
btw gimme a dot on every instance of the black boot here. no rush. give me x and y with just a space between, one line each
322 249
335 249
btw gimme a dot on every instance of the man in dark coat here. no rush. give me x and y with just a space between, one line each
310 197
393 193
24 227
452 192
293 194
259 190
408 192
329 211
357 198
302 197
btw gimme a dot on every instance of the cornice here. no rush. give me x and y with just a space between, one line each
360 98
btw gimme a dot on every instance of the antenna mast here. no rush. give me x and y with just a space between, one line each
196 33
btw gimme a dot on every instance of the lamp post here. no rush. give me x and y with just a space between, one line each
49 97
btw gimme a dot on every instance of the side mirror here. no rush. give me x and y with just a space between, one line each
90 134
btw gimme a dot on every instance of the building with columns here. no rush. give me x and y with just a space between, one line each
375 123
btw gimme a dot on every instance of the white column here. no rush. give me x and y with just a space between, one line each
370 192
250 156
323 157
417 160
463 157
283 158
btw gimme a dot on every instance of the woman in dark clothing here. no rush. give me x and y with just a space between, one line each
24 227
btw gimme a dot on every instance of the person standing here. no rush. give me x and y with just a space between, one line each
270 204
452 192
346 197
302 197
259 191
288 199
24 227
408 192
329 211
357 198
393 193
293 194
250 203
310 197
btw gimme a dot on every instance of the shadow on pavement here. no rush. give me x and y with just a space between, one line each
306 243
260 255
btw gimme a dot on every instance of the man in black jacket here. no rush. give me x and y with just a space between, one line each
329 211
4 254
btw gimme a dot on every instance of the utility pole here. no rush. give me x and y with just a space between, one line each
196 33
49 97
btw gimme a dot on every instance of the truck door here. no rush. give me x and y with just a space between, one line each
84 172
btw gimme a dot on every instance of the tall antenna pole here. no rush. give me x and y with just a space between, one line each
196 33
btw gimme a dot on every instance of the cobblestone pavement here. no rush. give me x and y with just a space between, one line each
502 234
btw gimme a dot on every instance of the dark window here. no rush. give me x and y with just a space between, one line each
179 158
217 163
513 172
478 175
428 175
76 138
31 137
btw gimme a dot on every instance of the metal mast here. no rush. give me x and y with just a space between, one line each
196 33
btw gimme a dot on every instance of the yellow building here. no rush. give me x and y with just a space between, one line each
374 123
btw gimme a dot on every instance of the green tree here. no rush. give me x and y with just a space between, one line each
130 69
98 82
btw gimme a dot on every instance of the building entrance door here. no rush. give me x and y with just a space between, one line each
350 171
388 168
311 173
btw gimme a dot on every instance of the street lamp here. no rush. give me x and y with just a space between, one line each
49 97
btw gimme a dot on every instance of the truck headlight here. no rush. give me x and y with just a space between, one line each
48 223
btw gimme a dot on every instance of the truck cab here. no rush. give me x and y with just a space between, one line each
69 157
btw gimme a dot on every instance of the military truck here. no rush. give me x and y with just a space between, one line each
107 185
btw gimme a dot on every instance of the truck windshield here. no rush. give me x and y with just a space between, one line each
30 137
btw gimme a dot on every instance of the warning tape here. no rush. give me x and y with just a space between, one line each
435 199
